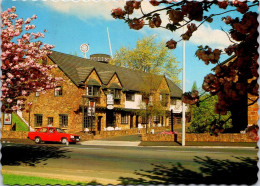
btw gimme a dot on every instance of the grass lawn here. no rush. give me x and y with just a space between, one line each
10 179
20 125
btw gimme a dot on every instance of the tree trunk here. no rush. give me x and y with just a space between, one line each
239 112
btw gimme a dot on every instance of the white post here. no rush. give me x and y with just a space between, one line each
183 90
109 43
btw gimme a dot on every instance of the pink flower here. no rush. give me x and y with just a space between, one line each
9 100
14 108
24 92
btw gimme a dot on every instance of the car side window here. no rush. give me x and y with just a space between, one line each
43 130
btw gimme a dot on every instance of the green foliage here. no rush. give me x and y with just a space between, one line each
194 86
149 56
10 179
20 125
204 115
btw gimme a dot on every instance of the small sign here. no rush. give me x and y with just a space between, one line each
110 99
84 48
110 107
91 108
7 119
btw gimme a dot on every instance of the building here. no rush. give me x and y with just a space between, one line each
89 83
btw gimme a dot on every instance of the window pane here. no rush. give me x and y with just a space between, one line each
63 120
38 120
87 121
124 118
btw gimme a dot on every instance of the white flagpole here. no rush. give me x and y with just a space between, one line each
109 43
183 90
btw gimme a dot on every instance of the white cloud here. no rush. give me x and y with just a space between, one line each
85 9
101 9
205 35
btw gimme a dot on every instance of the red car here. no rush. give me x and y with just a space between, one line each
52 134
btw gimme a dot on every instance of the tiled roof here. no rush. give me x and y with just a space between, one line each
77 69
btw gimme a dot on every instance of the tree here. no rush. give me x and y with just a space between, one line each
204 119
231 82
149 56
194 86
23 61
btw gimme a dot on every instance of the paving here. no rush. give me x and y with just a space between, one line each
111 143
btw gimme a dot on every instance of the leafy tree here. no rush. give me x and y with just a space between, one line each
23 67
149 56
194 86
231 82
203 116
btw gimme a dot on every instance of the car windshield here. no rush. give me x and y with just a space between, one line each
60 130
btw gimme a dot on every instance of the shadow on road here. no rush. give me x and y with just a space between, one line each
211 171
30 154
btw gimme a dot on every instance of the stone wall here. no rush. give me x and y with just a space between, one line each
14 134
198 137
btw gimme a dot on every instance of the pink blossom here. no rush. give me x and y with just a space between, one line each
9 100
14 108
24 92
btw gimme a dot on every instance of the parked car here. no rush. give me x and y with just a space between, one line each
52 134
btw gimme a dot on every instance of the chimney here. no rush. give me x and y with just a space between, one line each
103 58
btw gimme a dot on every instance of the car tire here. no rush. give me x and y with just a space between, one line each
64 140
37 140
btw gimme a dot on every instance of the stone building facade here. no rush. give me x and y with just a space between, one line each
91 81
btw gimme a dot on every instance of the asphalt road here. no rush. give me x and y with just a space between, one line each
115 165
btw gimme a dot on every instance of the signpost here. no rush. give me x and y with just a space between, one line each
110 101
84 48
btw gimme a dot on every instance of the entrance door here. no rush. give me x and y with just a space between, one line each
110 118
131 121
136 121
99 123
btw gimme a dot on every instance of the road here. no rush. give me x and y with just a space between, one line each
114 164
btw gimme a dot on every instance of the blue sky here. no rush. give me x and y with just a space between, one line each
69 24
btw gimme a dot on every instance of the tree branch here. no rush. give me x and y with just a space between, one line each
253 101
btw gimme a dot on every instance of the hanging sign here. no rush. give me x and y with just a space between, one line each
7 119
91 108
110 101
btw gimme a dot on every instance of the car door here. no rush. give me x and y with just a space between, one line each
42 133
52 135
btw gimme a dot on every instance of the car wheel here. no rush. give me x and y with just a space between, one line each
37 140
64 141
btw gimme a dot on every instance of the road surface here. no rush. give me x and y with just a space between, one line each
117 164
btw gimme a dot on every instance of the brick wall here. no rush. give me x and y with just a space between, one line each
198 137
14 134
252 111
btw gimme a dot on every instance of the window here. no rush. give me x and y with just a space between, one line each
93 91
116 93
58 91
43 130
164 99
87 121
50 121
63 120
156 119
37 94
144 120
38 120
178 120
130 96
173 101
124 118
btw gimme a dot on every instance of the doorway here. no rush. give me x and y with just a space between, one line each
99 123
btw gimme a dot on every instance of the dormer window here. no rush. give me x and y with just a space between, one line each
93 91
115 89
93 88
